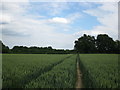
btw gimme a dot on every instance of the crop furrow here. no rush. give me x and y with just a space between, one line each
36 74
60 76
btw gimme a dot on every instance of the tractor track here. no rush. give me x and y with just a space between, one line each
35 75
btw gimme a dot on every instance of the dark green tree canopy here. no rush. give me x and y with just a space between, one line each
3 48
85 44
103 44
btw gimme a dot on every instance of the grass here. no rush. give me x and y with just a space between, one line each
100 70
20 69
59 70
61 76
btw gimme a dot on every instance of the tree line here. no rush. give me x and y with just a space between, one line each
85 44
33 50
102 44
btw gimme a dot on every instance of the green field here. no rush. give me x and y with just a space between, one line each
59 70
99 70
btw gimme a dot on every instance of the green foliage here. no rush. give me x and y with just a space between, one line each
3 48
103 44
39 50
85 44
33 50
61 76
20 69
117 46
99 70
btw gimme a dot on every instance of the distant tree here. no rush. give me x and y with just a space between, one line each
105 44
85 44
38 50
20 49
49 47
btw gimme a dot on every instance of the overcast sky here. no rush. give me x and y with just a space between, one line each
56 24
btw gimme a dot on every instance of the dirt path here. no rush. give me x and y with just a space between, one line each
79 83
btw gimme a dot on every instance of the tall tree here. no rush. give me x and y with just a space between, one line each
85 44
105 44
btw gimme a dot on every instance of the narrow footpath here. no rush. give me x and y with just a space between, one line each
79 83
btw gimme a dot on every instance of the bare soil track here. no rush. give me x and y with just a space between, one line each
79 83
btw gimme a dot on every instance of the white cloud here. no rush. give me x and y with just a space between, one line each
5 19
68 19
14 7
107 15
31 32
26 30
10 11
59 20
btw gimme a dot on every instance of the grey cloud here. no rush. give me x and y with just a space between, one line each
4 23
13 33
